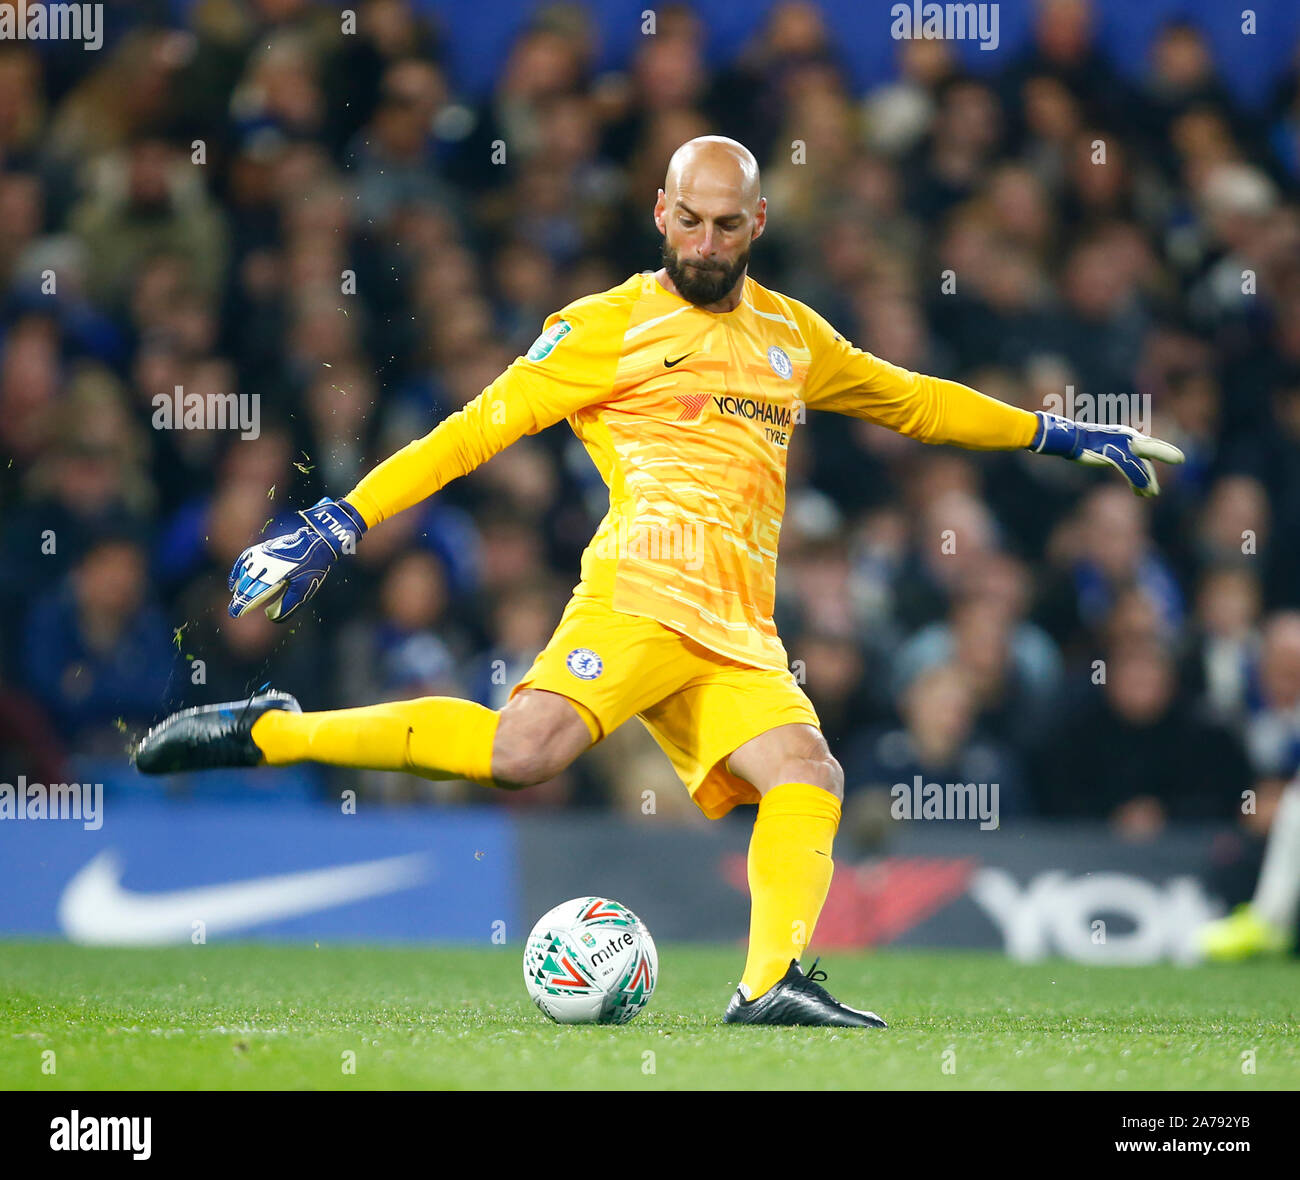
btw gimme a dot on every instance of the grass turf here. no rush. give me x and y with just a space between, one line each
249 1016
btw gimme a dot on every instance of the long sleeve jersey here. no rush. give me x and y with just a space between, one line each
688 415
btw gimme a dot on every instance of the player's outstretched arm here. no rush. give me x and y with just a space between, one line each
1121 447
846 380
938 411
569 367
284 572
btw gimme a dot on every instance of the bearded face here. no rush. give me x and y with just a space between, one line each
700 282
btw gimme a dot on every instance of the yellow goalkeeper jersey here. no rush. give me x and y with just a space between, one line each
688 416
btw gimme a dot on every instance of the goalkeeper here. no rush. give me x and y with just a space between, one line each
684 385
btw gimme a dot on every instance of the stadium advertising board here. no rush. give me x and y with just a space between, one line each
154 874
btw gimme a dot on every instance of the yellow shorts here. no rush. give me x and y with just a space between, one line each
698 705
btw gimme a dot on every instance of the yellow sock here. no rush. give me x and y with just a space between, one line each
789 877
436 737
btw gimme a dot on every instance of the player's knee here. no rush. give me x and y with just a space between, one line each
818 770
837 778
535 740
515 766
829 775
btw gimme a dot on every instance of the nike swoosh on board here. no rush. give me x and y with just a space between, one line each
669 364
94 909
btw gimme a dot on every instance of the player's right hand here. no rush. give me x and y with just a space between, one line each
284 572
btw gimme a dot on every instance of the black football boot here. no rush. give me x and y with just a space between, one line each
209 737
798 999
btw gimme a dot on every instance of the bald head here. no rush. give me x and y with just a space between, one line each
714 164
709 212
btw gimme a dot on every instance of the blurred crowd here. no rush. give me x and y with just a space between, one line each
257 205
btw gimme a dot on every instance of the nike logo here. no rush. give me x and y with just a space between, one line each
669 364
95 910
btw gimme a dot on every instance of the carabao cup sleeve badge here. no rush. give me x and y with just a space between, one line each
544 343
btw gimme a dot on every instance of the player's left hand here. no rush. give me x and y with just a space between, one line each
1121 447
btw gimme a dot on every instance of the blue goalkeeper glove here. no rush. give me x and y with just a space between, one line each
1120 447
284 572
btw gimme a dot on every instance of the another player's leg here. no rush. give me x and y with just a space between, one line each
1266 924
531 740
790 870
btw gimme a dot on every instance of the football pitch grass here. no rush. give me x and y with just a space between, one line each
254 1016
